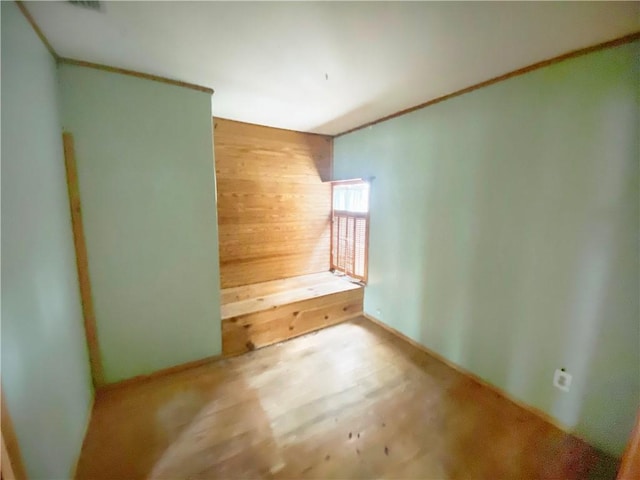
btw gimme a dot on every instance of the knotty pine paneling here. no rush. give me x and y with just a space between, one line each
271 319
257 290
273 209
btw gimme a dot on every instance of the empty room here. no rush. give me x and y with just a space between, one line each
325 240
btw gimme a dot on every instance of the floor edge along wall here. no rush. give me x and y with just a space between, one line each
474 377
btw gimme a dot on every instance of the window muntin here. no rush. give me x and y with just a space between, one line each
350 228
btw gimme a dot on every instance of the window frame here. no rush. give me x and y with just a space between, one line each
355 215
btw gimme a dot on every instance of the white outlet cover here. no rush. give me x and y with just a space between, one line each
562 380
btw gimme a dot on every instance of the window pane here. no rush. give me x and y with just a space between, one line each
349 229
351 197
360 246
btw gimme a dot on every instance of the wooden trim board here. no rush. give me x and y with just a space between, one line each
134 73
6 465
12 466
157 374
535 66
36 28
630 464
539 413
329 309
544 63
98 66
84 436
82 261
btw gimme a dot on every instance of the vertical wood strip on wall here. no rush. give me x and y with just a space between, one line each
12 466
630 464
273 208
353 247
82 261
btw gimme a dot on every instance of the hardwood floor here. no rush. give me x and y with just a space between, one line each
349 401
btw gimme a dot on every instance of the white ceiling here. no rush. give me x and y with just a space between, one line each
269 62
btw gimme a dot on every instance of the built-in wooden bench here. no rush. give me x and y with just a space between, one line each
261 314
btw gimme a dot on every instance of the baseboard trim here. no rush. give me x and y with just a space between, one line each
13 466
74 471
139 379
537 412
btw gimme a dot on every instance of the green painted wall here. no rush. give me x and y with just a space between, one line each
45 372
505 233
147 186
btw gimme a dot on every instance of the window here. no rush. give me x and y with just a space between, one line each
350 228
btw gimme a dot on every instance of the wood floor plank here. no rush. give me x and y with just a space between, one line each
348 401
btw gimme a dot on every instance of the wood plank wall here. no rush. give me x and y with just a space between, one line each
273 209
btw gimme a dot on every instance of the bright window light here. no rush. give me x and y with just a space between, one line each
351 197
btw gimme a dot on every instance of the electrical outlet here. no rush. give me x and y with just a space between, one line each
562 380
379 313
